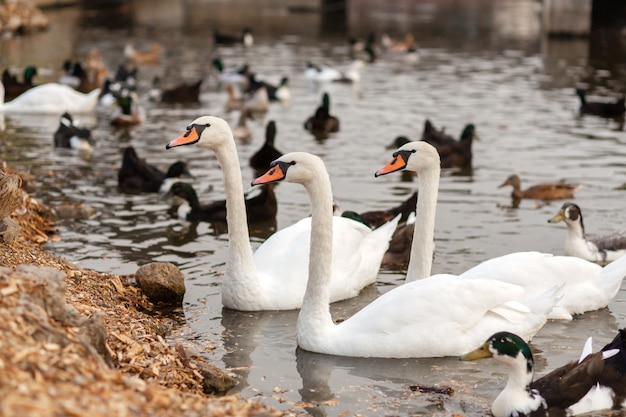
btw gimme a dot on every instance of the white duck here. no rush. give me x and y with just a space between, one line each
585 285
275 277
597 249
50 98
438 316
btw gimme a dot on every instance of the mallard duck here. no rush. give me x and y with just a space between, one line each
181 93
322 123
128 111
257 100
435 137
10 193
546 191
600 108
364 49
261 159
598 249
136 175
274 277
595 382
375 218
278 92
237 76
582 285
246 38
50 98
458 154
13 87
68 135
411 320
152 56
259 208
242 130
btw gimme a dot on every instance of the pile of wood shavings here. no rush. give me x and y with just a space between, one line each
150 377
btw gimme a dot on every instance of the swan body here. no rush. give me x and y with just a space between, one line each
275 277
438 316
595 382
50 98
585 286
598 249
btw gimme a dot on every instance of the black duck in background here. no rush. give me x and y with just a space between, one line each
259 208
322 123
245 39
136 175
261 159
68 135
13 87
181 93
611 109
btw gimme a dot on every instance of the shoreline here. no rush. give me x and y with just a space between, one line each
98 348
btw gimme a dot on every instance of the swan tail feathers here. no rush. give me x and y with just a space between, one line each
612 276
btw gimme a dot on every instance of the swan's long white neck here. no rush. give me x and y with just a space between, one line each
423 246
241 281
314 318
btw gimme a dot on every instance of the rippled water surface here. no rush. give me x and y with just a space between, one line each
485 64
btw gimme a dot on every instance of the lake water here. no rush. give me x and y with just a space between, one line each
483 63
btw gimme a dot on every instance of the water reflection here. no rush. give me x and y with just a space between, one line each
482 61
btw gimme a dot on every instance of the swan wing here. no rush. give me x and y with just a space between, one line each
441 315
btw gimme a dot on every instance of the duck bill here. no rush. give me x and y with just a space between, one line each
560 216
480 353
190 137
397 163
272 175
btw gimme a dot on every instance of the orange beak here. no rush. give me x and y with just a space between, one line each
396 164
190 137
274 174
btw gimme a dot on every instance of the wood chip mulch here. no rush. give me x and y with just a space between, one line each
47 369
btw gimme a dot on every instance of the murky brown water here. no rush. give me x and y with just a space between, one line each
484 64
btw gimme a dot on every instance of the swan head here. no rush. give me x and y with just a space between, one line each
415 156
296 167
207 131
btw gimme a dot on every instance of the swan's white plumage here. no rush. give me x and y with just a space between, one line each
275 277
585 286
437 316
51 98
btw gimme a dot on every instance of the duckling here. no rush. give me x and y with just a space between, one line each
598 108
261 207
152 56
546 191
246 38
242 130
262 158
68 135
10 193
12 87
136 175
181 93
322 122
599 249
593 383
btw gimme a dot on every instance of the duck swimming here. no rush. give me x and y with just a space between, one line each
136 175
545 191
597 249
595 382
68 135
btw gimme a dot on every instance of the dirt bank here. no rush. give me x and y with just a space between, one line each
102 350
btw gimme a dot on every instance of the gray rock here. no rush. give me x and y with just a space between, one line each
162 282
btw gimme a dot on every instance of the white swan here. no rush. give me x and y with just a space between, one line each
438 316
50 98
275 277
586 286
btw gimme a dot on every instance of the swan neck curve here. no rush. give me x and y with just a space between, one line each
315 315
423 246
